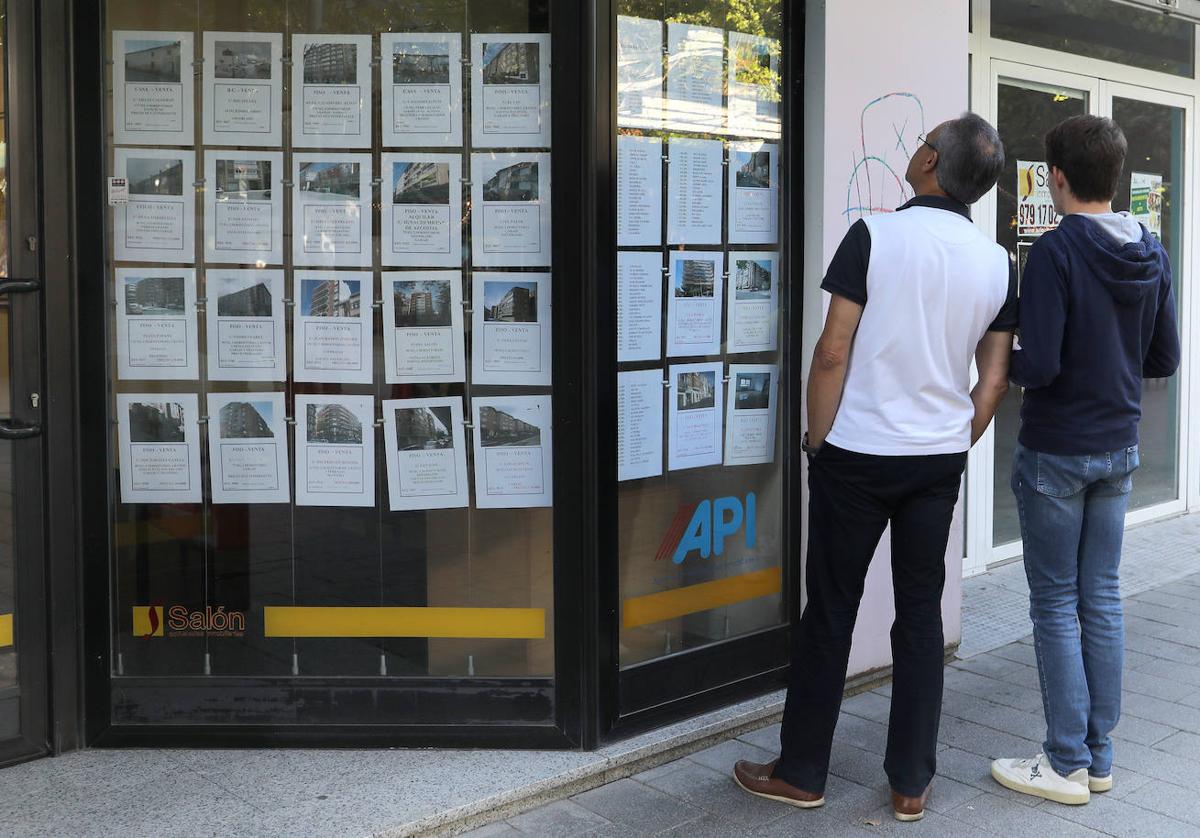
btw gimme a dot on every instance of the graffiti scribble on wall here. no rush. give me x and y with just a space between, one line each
888 130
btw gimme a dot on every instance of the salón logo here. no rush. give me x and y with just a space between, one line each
181 621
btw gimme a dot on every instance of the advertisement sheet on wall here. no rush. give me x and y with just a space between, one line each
153 88
335 450
160 447
1146 200
426 453
1035 207
243 88
421 101
248 448
156 324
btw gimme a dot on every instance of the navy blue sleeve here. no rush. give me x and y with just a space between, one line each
1042 315
1162 358
847 274
1007 319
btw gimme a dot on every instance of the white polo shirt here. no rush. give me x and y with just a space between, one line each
931 284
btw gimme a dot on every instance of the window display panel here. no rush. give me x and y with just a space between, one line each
298 428
700 323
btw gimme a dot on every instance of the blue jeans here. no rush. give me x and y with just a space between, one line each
1072 512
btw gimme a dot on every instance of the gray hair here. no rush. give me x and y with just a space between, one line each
970 157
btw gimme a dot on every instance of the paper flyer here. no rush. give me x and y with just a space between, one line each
639 72
153 88
510 215
1035 207
243 207
753 82
248 448
332 334
514 451
753 301
639 306
1146 200
331 210
245 317
639 424
695 169
421 99
639 191
158 224
695 415
423 327
335 450
331 91
421 210
510 328
510 90
426 453
695 77
750 423
243 89
156 324
753 193
160 448
694 296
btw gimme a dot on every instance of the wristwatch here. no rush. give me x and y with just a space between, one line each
811 450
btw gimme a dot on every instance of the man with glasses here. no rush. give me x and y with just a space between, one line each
916 294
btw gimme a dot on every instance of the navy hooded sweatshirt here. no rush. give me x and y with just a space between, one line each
1097 315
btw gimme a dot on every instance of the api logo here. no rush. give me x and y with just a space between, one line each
704 526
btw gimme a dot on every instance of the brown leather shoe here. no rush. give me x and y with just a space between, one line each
910 808
756 778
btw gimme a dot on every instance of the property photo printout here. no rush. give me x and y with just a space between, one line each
245 320
754 86
753 193
510 209
332 326
160 448
510 90
248 448
639 191
694 295
695 77
695 169
510 327
158 223
331 91
639 72
421 210
514 451
639 424
243 89
426 453
421 100
156 324
153 88
695 400
331 210
423 327
750 419
753 301
335 450
639 306
243 207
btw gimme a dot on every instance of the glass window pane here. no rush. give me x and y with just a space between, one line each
700 323
9 701
1104 29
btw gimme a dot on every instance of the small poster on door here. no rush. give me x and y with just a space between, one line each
1146 200
423 327
639 306
751 410
331 91
243 207
426 453
510 90
245 325
422 89
514 451
753 301
243 89
694 297
421 211
332 326
156 324
510 209
158 223
248 448
639 424
331 210
753 193
1035 207
510 327
696 409
153 88
159 435
335 450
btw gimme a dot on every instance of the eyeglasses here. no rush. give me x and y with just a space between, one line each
924 138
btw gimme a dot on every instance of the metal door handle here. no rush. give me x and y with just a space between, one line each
11 430
19 286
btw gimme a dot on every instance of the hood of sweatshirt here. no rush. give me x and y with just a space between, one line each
1127 269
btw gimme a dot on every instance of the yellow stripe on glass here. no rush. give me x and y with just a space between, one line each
654 608
6 628
394 621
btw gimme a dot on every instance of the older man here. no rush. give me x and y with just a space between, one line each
891 415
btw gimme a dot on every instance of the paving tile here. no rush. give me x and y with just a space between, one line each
1168 689
861 733
707 826
1168 799
1029 725
851 801
817 822
1121 819
563 818
493 830
1182 744
973 770
1125 782
1017 652
766 738
716 793
992 813
1160 765
721 757
869 705
1169 713
640 809
935 824
985 741
1133 728
948 794
1013 695
1155 647
660 770
855 764
994 666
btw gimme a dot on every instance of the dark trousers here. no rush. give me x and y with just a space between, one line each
852 498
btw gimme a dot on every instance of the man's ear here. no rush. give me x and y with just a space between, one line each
931 161
1060 179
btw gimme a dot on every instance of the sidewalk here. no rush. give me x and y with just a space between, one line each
992 708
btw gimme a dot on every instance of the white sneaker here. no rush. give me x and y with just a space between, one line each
1036 777
1099 784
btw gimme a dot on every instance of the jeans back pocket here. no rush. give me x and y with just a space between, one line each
1061 476
1124 463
